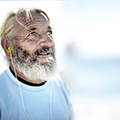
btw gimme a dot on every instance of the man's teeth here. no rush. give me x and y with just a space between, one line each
44 53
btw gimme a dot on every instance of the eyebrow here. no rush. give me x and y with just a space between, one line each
31 29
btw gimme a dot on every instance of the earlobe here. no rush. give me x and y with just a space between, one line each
5 45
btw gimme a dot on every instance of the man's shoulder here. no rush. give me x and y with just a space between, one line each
2 74
61 84
5 84
59 81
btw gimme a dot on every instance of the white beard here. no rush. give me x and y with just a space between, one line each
35 71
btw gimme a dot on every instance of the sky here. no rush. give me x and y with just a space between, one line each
91 27
95 27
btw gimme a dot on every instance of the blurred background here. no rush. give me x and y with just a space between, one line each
87 36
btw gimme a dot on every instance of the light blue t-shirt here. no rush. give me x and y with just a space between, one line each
47 102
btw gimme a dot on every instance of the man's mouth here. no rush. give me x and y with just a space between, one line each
43 53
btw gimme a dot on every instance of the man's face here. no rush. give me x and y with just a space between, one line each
36 38
34 49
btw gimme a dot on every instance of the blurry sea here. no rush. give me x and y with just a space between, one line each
94 86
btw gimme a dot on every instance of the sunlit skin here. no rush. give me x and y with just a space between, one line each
26 39
37 36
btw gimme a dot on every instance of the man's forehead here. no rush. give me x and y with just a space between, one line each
36 20
32 16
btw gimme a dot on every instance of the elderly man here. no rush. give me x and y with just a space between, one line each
30 88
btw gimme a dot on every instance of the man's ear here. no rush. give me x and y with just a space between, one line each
5 45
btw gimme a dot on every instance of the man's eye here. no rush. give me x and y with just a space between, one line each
49 32
32 34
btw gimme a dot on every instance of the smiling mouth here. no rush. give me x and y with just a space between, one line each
44 53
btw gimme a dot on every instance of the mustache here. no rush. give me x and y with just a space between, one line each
24 56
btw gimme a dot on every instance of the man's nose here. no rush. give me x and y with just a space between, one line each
46 41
